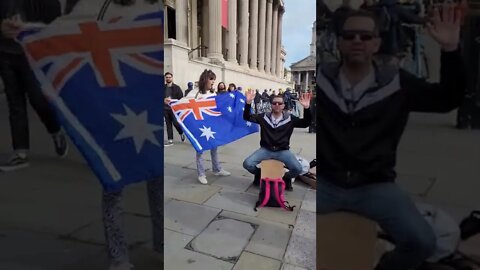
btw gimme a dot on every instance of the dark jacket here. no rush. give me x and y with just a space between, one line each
173 92
357 144
276 138
30 11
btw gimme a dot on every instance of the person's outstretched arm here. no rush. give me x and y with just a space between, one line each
247 113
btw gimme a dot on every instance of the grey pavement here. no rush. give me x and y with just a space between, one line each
214 226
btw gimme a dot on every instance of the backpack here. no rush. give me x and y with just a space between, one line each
272 194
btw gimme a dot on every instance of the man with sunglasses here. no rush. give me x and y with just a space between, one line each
362 113
276 128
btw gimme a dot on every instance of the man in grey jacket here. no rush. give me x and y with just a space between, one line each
20 82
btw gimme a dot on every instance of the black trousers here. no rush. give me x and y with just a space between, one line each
169 121
20 84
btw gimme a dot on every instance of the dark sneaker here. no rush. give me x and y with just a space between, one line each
16 162
168 143
61 145
182 137
288 183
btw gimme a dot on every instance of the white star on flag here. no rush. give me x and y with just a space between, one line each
242 101
232 95
230 109
136 127
207 132
249 124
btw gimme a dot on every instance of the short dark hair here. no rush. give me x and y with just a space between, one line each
272 97
360 13
168 73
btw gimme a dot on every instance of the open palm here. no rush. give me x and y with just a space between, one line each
305 100
250 95
445 28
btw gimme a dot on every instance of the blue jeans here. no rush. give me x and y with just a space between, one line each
285 156
395 213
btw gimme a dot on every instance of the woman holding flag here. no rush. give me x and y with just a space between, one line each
205 85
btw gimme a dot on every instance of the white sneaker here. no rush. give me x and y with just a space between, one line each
222 172
122 266
203 179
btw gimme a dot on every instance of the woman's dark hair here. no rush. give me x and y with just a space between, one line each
204 77
224 86
230 85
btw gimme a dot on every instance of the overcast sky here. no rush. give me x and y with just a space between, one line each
297 29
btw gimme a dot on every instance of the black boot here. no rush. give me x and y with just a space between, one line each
288 182
256 179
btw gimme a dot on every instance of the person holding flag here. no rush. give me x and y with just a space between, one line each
276 128
121 141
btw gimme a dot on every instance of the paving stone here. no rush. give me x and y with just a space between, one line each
302 246
25 250
249 261
233 183
188 218
270 240
190 190
190 260
175 242
224 239
280 215
138 230
292 267
239 202
310 201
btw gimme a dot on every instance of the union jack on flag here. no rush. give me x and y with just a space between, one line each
105 81
214 121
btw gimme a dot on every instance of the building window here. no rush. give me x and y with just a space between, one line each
171 23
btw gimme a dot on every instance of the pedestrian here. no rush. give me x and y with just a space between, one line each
232 87
189 88
276 129
20 82
221 88
363 110
172 91
205 83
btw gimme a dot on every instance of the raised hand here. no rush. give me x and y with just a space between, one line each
305 100
250 95
445 28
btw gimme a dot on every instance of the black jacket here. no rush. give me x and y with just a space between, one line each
30 11
357 146
276 138
174 92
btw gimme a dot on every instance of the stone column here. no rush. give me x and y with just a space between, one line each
268 38
261 35
181 21
252 48
232 31
274 40
279 44
215 29
243 29
306 80
194 28
205 31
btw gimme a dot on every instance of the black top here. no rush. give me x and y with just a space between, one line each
276 136
357 142
174 92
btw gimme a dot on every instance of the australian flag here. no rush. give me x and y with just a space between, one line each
214 121
105 81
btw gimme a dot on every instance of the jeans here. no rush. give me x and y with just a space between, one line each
21 83
395 213
215 163
116 242
285 156
169 121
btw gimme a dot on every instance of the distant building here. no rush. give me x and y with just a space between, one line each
303 71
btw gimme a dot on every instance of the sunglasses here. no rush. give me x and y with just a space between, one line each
277 103
362 36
